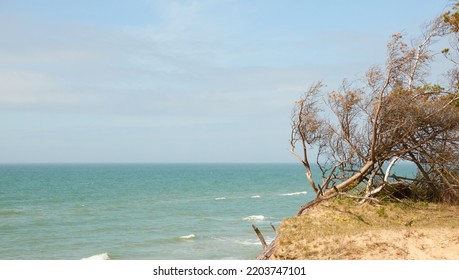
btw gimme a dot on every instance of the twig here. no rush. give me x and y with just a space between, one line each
273 227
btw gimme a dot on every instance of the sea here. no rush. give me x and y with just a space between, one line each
144 211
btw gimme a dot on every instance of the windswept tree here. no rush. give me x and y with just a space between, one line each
391 113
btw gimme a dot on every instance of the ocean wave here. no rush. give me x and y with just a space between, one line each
103 256
294 193
255 196
249 242
9 212
254 242
254 218
246 242
190 236
220 198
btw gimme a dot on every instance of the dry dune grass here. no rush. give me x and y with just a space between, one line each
340 229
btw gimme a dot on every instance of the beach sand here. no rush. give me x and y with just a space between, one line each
339 231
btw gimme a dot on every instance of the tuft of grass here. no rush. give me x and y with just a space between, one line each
382 212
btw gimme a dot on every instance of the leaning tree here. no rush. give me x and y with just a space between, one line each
392 113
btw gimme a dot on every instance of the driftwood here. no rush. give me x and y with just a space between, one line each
268 251
260 236
273 227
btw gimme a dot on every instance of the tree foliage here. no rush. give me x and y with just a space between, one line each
391 113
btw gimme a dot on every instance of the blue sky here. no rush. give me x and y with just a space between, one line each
178 81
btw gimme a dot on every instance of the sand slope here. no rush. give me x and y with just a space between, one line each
341 231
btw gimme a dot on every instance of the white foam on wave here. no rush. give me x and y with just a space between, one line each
255 196
253 242
190 236
220 198
103 256
254 218
294 193
249 242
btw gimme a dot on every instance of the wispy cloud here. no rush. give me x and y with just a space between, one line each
138 70
110 73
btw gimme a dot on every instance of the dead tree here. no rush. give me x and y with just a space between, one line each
391 113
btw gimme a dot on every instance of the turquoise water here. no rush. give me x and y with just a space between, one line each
144 211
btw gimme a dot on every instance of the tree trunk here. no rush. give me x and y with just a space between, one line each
356 178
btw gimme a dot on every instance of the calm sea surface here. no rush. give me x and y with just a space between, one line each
144 211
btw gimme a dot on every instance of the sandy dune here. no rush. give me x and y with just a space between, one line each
339 231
